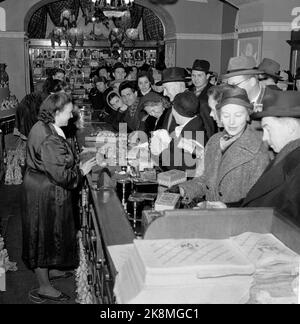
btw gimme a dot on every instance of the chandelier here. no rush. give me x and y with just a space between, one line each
111 8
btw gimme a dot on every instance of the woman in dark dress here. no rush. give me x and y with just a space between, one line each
49 235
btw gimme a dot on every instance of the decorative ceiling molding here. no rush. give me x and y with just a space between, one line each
6 34
212 37
264 27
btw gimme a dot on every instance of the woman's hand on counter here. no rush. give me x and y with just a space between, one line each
87 166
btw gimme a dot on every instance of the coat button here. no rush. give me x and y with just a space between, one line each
220 194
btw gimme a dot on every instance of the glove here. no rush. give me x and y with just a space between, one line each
174 189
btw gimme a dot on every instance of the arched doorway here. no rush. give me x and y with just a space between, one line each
36 20
161 13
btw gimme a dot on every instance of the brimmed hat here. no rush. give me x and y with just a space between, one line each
280 104
271 68
173 74
241 65
186 104
200 65
235 96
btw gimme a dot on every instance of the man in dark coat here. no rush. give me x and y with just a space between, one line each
173 82
200 86
182 152
279 187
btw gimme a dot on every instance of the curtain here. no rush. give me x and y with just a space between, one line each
56 8
38 24
152 26
136 13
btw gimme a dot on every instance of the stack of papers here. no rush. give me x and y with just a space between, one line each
249 268
276 267
184 271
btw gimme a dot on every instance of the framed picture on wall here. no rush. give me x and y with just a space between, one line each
250 46
170 54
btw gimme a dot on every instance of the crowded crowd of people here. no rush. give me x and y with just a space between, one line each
237 137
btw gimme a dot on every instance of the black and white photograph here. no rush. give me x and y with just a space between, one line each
149 155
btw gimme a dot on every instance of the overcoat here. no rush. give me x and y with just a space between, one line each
210 125
177 158
279 185
228 176
49 234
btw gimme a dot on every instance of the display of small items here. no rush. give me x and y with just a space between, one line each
9 103
13 175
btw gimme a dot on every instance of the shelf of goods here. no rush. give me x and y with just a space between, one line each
81 61
8 105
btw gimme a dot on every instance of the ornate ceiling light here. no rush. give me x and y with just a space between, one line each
111 8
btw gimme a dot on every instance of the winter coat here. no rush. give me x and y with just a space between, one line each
229 176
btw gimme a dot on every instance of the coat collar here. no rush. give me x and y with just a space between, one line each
274 175
240 152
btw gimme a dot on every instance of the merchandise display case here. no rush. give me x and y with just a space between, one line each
81 61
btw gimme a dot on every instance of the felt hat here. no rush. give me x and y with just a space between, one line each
235 96
280 104
241 65
186 104
271 68
200 65
173 74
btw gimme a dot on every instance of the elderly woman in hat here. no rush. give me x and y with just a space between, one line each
154 109
234 159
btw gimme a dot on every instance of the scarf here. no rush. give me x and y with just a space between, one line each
133 108
227 140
